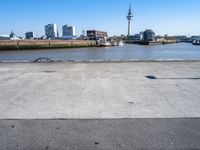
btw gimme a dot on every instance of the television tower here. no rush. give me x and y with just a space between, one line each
129 18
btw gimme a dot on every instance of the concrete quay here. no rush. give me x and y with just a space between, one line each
100 106
99 90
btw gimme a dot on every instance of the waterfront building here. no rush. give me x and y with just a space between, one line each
148 35
51 31
135 38
4 37
29 35
129 18
96 35
83 37
181 38
13 36
159 38
196 41
69 32
192 38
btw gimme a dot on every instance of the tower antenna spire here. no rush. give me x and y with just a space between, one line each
129 18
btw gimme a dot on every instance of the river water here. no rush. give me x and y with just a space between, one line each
179 51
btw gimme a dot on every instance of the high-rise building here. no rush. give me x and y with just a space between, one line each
29 35
69 32
51 31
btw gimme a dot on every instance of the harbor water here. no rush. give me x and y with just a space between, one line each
178 51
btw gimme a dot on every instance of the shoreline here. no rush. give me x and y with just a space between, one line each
104 61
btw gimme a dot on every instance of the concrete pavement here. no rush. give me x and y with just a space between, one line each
83 106
99 90
109 134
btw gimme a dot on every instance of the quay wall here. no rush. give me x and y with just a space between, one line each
158 42
44 44
152 42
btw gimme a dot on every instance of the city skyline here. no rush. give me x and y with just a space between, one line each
173 17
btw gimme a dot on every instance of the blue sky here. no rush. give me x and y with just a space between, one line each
172 17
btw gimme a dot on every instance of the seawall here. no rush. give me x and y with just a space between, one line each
152 42
43 44
158 42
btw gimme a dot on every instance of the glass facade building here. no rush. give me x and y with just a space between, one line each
51 31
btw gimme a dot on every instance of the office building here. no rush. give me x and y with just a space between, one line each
136 38
69 32
29 35
148 35
96 35
51 31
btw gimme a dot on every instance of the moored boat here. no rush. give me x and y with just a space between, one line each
114 44
120 43
105 44
196 42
